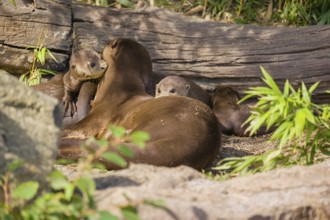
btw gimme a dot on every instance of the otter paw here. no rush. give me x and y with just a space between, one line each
70 107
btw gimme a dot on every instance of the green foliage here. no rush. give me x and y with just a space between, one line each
302 127
70 199
266 12
34 75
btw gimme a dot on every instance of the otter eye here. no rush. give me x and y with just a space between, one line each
92 64
173 90
158 90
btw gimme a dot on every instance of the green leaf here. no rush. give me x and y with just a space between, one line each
100 166
26 190
286 88
86 185
271 155
102 142
118 132
114 158
257 122
33 82
139 138
130 213
270 82
305 94
46 72
126 3
12 166
42 55
58 181
245 164
125 150
299 121
52 56
155 203
105 215
309 115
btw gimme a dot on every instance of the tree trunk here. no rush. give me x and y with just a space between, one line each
210 53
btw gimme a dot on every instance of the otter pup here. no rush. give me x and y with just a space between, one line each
231 116
182 130
85 64
179 86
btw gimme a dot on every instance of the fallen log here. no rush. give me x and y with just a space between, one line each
210 53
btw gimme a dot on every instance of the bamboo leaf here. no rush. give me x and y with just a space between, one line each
51 55
270 82
299 122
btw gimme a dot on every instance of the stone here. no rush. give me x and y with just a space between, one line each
291 193
30 126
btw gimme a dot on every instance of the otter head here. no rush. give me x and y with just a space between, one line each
172 86
225 95
87 64
128 56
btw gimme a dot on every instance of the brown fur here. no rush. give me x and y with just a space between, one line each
84 65
231 115
65 87
179 86
182 130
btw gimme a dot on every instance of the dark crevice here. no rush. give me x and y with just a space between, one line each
79 20
30 49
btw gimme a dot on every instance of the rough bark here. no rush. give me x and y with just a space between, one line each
207 52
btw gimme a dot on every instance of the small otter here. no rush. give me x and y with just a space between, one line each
182 130
179 86
85 64
231 116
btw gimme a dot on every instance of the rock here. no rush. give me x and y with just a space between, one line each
292 193
30 125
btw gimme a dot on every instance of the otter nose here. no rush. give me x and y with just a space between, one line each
104 65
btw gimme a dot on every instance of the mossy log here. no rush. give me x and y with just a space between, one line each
210 53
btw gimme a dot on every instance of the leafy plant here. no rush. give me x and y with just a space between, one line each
70 199
302 127
34 75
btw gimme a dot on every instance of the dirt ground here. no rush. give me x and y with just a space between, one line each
234 146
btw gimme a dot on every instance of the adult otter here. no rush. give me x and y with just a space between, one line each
85 64
231 115
178 86
182 130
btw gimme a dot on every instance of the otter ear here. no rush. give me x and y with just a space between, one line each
114 43
157 89
73 66
187 86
